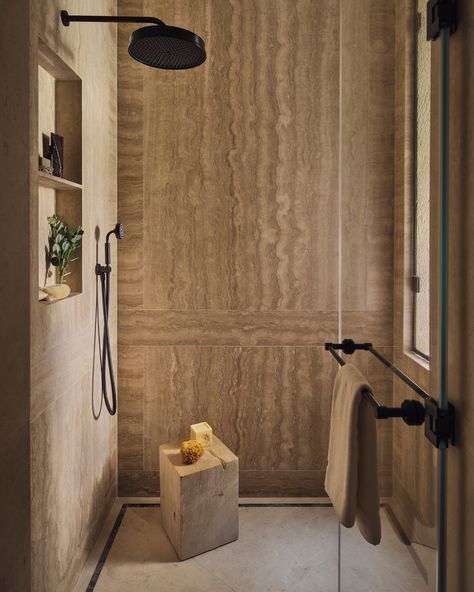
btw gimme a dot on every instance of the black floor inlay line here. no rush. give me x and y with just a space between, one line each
118 522
110 542
283 505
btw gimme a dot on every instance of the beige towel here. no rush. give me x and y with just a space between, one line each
352 472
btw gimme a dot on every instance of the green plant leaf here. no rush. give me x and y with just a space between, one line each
62 244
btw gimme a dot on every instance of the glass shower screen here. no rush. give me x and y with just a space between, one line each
412 472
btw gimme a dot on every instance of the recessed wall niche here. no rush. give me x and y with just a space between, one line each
59 112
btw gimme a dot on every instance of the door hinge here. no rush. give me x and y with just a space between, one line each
441 14
418 22
415 282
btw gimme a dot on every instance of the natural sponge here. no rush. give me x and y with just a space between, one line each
191 451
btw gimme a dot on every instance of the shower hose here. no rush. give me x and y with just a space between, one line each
105 350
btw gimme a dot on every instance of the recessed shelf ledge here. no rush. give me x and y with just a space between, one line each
50 302
53 182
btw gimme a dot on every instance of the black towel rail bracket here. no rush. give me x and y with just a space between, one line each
439 423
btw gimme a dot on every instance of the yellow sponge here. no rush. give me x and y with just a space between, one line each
191 451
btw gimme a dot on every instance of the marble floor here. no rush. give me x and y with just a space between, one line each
280 549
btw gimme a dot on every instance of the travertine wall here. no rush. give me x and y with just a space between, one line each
414 471
73 456
228 190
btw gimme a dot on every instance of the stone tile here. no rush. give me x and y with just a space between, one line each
142 558
239 328
388 567
73 485
279 550
269 405
130 418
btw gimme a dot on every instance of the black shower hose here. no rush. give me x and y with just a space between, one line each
106 355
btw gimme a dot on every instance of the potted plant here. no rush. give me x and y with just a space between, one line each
63 243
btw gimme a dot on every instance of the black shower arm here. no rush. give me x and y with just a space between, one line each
67 18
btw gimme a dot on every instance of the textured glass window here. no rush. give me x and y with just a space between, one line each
421 258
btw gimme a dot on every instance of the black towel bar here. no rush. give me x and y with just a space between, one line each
439 423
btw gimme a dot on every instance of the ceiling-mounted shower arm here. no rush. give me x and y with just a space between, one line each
67 18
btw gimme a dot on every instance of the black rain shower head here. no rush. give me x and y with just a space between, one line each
158 45
166 47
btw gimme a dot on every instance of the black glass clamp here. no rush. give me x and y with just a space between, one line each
439 423
441 14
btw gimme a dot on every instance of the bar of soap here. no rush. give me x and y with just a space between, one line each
202 432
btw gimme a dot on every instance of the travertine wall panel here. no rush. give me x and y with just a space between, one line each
228 189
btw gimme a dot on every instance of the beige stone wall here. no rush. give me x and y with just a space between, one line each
404 182
414 458
73 456
228 189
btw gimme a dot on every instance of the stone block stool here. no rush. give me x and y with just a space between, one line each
199 502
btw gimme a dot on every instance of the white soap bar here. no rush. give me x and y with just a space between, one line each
202 432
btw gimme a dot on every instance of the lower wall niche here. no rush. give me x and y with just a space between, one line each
67 205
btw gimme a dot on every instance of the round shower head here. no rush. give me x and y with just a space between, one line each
117 230
169 48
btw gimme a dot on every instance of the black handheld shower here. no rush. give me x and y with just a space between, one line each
117 230
119 233
103 271
158 45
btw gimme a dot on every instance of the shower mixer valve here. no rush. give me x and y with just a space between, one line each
102 269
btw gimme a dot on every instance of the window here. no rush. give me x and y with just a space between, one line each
421 214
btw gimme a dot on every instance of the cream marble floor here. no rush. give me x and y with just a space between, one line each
280 549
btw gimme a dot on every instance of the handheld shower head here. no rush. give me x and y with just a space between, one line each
117 230
119 233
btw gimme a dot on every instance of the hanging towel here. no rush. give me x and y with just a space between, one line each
352 471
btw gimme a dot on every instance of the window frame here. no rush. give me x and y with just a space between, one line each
414 196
